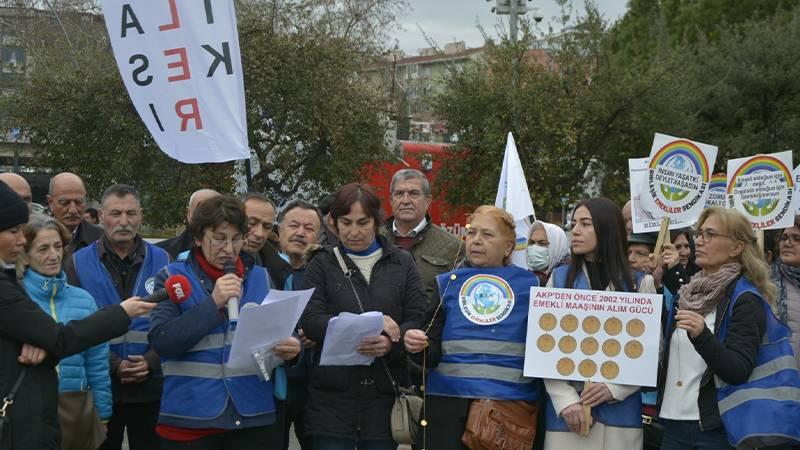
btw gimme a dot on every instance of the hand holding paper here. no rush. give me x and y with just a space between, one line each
346 333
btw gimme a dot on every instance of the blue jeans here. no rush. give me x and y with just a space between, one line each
332 443
687 435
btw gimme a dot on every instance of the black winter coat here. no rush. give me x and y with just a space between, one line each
34 415
732 360
355 402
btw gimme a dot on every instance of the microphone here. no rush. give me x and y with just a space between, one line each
176 288
233 302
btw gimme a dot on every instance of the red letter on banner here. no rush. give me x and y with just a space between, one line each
186 116
182 63
176 23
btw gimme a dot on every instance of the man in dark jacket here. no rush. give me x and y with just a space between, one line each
67 201
183 242
119 265
435 250
27 333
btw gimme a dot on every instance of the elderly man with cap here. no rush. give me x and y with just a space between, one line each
67 201
29 335
19 185
183 242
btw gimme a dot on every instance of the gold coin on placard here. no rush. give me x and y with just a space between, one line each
567 344
589 346
547 322
545 343
587 368
633 349
609 370
635 328
613 326
569 323
591 324
611 347
565 366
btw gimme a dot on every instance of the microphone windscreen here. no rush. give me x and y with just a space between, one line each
229 267
178 288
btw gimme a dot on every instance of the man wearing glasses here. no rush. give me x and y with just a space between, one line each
410 228
67 201
115 267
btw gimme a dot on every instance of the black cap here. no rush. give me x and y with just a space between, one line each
13 209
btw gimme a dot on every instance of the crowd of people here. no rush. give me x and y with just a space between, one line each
85 362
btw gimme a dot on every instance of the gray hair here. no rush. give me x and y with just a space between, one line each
302 204
411 174
121 191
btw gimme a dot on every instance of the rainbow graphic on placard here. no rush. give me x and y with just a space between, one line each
677 152
762 163
486 299
521 244
719 182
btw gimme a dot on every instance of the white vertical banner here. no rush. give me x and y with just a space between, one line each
514 197
181 63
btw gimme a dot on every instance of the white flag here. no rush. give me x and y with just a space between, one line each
514 197
181 64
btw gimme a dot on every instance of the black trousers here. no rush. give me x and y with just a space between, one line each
256 438
295 412
447 419
140 419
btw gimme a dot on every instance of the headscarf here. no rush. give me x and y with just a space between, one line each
559 244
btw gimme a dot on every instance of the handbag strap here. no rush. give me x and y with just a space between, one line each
8 400
348 274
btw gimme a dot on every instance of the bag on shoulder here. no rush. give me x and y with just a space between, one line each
405 416
500 425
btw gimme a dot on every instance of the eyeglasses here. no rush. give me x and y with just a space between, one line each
793 239
412 194
707 235
220 243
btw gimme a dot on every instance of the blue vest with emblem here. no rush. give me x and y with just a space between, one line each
765 410
95 279
197 385
483 341
626 413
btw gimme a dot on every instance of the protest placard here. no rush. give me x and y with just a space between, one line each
181 64
679 171
599 336
717 190
644 221
762 188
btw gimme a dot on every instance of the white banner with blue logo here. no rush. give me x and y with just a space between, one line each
514 197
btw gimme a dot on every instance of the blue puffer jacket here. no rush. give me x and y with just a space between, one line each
86 370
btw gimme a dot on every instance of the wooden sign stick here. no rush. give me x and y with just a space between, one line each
760 238
587 413
663 237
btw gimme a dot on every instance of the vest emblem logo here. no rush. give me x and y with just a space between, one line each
150 285
486 299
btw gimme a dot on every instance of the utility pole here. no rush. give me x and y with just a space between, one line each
514 9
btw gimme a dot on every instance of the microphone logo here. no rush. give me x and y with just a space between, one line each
179 294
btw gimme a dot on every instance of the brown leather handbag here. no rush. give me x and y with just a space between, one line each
81 428
500 425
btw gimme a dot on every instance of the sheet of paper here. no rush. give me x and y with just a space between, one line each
345 333
264 326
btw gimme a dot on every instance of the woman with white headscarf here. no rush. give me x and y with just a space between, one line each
548 248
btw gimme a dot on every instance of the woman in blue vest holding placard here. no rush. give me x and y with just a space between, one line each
207 405
475 343
727 376
599 262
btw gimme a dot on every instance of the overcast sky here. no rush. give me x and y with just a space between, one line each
457 20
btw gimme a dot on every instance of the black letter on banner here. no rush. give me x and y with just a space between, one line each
131 22
209 12
224 57
140 69
155 115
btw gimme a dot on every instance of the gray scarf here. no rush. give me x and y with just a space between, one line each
777 273
704 292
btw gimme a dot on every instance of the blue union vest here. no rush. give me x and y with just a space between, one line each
625 414
483 341
765 410
95 279
197 385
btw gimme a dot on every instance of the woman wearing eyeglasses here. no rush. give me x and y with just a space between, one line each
785 273
712 339
205 404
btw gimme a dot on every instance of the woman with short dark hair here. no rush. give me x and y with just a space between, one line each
205 404
349 406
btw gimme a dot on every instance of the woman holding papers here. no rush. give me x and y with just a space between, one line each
476 343
205 404
349 406
599 262
712 345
